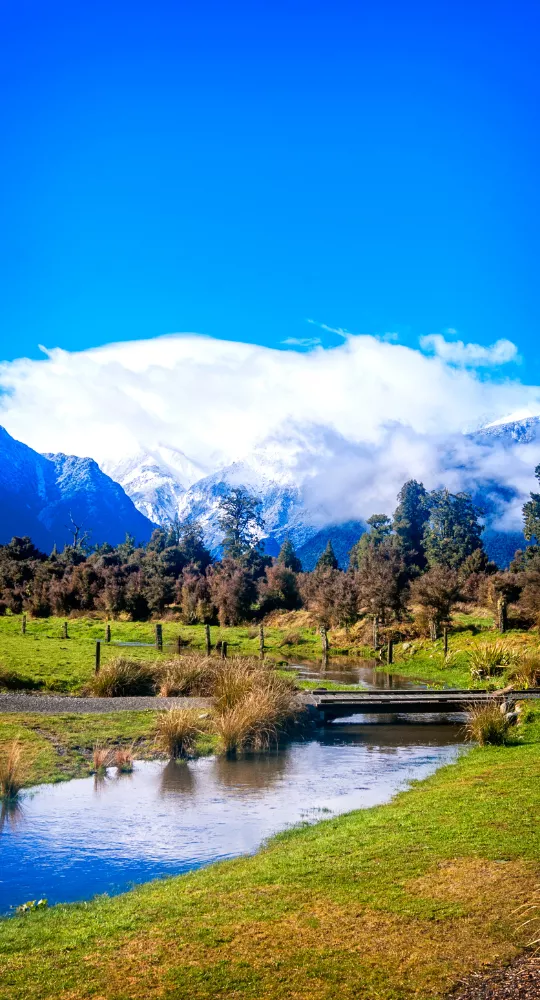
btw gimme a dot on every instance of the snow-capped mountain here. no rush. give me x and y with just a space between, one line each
40 494
155 481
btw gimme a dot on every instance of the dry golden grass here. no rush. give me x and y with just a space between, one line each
123 760
101 758
13 770
177 731
487 725
122 677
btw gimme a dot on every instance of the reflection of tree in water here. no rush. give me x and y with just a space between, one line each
177 778
251 772
11 813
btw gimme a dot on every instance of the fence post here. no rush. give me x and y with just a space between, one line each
23 625
65 635
179 644
223 650
98 657
433 630
375 632
159 638
207 639
108 634
261 642
445 637
501 614
390 658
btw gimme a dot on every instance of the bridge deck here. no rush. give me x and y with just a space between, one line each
335 704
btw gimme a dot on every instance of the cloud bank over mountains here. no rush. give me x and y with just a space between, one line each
347 424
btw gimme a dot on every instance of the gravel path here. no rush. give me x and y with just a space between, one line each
55 704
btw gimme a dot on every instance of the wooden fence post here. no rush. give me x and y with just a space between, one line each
23 625
390 658
65 631
224 650
98 657
108 633
207 639
375 632
261 642
159 638
433 630
502 619
179 644
445 637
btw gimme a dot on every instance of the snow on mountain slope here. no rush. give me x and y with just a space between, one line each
155 481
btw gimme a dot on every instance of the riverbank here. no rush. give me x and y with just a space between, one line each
398 901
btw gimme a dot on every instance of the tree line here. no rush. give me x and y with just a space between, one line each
423 560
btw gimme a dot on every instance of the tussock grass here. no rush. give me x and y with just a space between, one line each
177 731
185 675
527 671
123 760
487 725
252 705
488 659
123 677
101 758
13 770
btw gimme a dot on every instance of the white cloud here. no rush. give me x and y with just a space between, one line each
306 342
456 352
351 423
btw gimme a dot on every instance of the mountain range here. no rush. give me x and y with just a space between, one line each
45 495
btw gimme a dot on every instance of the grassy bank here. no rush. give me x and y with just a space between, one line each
58 747
389 903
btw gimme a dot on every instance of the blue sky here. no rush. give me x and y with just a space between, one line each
237 169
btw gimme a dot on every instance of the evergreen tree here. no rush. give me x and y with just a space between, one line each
453 531
328 559
410 518
380 528
287 557
531 513
191 545
239 520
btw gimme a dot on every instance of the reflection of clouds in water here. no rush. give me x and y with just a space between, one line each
177 778
251 772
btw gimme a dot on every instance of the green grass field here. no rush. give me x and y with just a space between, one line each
391 903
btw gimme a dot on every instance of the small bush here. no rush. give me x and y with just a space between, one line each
123 760
13 771
122 677
177 731
12 681
291 639
490 658
487 725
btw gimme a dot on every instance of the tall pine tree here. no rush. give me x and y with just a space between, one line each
410 518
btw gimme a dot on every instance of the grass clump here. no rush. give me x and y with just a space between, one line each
12 771
123 760
487 725
489 659
122 677
527 672
101 758
186 675
252 704
177 731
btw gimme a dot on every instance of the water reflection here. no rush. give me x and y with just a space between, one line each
345 671
177 778
73 840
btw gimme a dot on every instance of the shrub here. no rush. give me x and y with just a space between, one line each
177 731
13 771
123 677
291 639
10 680
486 724
490 658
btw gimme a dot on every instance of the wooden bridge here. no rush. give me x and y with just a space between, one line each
327 705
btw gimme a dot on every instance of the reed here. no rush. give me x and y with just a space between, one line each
177 731
13 771
487 725
122 677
